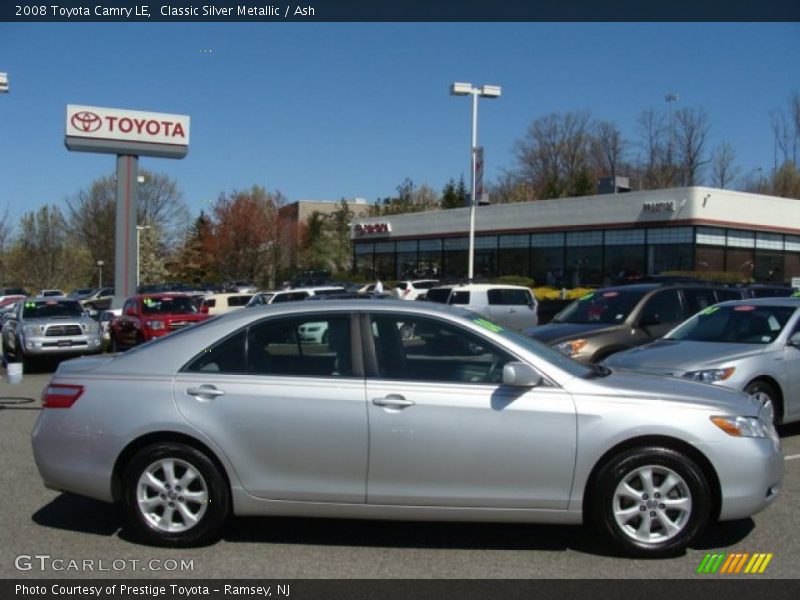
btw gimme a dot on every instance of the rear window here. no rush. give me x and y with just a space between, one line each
424 285
238 300
211 303
440 295
509 297
459 297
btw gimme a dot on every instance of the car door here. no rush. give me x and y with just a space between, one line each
289 415
512 308
791 401
127 326
445 432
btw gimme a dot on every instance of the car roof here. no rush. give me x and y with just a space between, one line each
775 301
483 286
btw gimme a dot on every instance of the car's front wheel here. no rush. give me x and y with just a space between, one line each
174 495
651 501
767 397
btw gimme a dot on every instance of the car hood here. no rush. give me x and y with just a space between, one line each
674 357
652 388
556 332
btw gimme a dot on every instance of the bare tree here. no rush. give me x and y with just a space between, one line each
783 138
655 170
723 170
609 147
691 136
554 156
5 233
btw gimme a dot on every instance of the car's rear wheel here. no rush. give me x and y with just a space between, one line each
766 396
174 495
651 502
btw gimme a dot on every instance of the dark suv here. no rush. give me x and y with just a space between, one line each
617 318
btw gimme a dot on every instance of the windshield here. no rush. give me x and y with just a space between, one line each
737 324
51 308
609 306
168 304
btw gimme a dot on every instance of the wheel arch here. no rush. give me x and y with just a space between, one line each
159 437
665 442
774 384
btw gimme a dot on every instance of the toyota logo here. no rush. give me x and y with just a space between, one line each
86 121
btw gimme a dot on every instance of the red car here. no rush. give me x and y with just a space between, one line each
149 316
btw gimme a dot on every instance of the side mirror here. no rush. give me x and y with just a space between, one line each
794 340
519 374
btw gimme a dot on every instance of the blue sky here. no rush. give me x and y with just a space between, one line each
330 110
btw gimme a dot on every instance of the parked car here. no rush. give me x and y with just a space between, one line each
463 421
768 290
81 293
512 306
148 316
414 288
49 327
51 293
12 291
99 300
8 301
218 304
104 319
751 345
293 294
613 319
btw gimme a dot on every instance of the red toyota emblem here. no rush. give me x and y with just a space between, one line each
86 121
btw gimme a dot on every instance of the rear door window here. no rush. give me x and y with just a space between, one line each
509 297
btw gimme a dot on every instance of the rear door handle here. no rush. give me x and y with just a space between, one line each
393 401
205 391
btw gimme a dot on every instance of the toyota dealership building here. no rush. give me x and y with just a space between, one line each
591 240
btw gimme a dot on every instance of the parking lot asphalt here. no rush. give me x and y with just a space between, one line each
47 534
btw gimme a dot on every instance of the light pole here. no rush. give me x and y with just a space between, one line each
485 91
139 228
100 264
670 98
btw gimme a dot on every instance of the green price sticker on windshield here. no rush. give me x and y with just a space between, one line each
488 325
709 310
588 296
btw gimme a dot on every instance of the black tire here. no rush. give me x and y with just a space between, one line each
766 393
155 515
643 532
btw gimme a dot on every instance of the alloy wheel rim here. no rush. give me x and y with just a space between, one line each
652 504
172 495
764 400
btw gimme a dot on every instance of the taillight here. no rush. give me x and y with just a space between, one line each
61 395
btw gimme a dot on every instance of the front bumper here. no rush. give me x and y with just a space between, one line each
74 345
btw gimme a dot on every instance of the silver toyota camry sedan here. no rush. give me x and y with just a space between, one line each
459 420
751 345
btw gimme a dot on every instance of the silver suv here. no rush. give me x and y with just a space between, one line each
40 327
512 306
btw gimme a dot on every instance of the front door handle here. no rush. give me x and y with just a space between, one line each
205 391
393 401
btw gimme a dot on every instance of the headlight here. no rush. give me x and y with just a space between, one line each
710 375
91 328
32 330
155 324
570 348
745 427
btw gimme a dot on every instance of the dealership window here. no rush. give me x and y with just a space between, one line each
740 260
584 258
669 249
711 236
455 257
709 258
485 256
384 260
430 258
364 260
513 255
547 259
407 267
624 254
741 239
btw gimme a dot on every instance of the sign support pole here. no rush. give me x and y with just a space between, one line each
125 257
